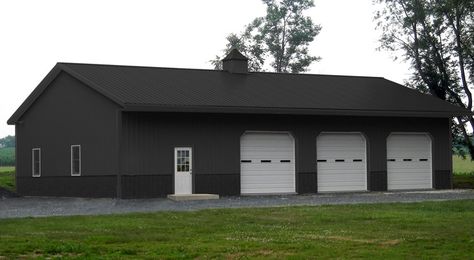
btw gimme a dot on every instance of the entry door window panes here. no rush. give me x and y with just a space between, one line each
182 161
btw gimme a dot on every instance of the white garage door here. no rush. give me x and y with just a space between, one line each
267 163
409 161
341 159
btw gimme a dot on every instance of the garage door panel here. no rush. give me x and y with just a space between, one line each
337 174
283 167
406 154
256 157
267 163
345 150
336 181
400 166
412 182
347 175
330 182
252 148
404 186
264 190
265 175
341 166
407 171
412 175
410 169
258 181
344 184
401 180
339 188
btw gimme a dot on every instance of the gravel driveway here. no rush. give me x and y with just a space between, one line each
42 207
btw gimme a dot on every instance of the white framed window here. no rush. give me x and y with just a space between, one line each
76 160
36 162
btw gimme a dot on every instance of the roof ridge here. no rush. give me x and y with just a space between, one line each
135 66
213 70
317 74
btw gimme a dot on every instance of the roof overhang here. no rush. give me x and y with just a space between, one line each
291 111
123 105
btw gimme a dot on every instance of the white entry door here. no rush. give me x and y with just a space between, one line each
409 161
183 181
341 159
267 163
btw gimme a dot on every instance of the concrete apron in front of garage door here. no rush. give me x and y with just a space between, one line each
42 207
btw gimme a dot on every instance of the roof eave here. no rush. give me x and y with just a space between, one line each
291 111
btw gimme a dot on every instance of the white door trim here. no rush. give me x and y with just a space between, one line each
183 177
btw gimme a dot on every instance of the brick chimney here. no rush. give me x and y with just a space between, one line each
235 62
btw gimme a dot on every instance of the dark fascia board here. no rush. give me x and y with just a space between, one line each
44 84
292 111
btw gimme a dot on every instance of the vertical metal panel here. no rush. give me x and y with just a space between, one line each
145 186
68 113
149 139
223 184
442 155
377 158
67 186
306 178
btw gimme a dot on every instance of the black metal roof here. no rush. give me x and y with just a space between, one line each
194 90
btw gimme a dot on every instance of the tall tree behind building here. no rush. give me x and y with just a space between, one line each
437 38
279 40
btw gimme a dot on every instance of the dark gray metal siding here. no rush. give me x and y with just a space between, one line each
148 140
69 113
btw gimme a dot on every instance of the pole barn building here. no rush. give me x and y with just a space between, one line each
133 132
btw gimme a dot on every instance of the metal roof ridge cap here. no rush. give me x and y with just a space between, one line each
136 66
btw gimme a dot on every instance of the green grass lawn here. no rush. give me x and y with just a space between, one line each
412 230
7 177
463 170
461 165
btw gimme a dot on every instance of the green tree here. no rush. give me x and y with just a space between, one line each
8 141
280 39
437 38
